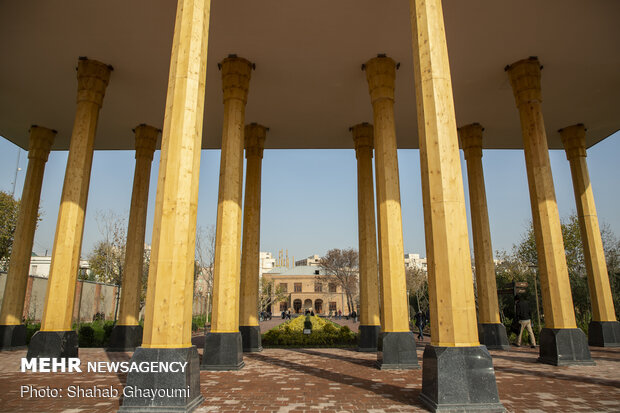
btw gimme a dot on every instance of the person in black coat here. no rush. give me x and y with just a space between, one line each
525 319
420 322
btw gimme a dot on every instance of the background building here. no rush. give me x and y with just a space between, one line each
307 288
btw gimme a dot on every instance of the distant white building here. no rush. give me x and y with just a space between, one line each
313 261
266 263
40 266
414 261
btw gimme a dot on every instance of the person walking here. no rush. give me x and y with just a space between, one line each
525 319
420 321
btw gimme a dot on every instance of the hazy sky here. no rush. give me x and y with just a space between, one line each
309 201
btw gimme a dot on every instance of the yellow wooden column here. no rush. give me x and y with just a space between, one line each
12 332
604 329
250 256
223 345
560 324
370 323
454 351
398 341
127 333
93 78
169 298
491 331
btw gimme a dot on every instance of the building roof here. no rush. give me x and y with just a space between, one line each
308 86
297 270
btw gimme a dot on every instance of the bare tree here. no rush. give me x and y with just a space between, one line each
107 259
417 284
205 256
269 294
341 267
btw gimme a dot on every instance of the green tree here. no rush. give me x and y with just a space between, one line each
522 265
9 210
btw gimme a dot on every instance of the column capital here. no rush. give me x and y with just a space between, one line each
93 78
254 137
471 140
41 140
381 76
525 80
146 139
363 134
574 141
236 73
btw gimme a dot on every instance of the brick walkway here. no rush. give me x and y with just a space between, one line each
335 380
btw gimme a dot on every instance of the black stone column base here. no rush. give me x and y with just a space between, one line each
369 338
604 334
459 379
12 337
251 339
125 338
175 391
53 344
493 336
398 352
564 347
223 351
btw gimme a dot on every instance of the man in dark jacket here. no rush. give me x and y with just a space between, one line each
420 321
524 316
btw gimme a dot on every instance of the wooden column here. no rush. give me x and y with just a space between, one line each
168 311
454 349
11 336
370 323
604 330
127 333
398 348
555 287
223 345
146 138
250 256
93 78
491 332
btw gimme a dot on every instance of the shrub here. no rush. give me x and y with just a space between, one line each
324 333
30 330
86 336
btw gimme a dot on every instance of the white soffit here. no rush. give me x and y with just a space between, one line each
308 87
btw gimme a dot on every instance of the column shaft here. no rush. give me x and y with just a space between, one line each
574 139
129 307
168 312
226 267
93 79
369 294
488 308
555 286
250 255
41 140
451 295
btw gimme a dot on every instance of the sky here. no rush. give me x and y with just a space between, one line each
309 197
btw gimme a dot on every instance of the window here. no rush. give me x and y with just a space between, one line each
318 287
332 306
283 305
297 287
332 287
34 270
284 287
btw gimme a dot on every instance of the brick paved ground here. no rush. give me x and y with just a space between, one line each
330 380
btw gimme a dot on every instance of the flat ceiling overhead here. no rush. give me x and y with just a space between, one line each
308 87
